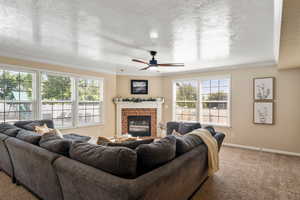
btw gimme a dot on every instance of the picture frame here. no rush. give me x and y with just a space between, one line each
263 88
139 87
263 113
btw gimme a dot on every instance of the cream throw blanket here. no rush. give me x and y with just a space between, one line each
212 145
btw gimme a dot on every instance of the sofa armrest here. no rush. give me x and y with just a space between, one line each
220 138
80 181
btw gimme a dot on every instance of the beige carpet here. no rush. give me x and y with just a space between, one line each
244 175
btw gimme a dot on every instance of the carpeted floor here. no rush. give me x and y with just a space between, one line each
244 175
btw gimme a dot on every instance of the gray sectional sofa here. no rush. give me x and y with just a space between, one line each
53 176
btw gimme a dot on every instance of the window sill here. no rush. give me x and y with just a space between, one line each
83 126
217 125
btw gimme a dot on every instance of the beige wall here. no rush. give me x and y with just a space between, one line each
108 128
154 87
284 135
290 37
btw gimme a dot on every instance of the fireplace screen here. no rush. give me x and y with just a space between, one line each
139 125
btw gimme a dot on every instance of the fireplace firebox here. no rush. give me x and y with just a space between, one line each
139 126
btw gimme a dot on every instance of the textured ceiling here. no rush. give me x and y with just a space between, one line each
105 35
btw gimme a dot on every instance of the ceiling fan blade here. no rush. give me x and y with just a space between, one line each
139 61
171 65
145 68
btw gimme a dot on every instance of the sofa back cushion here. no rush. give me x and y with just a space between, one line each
186 143
29 125
29 136
185 128
130 144
156 153
120 161
53 142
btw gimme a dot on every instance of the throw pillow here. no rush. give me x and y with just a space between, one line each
120 161
175 133
185 128
156 154
130 144
55 143
31 126
42 129
102 140
29 136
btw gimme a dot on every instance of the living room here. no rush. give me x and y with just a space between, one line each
155 76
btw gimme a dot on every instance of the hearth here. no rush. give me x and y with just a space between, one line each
139 126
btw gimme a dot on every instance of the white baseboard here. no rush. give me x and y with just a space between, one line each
262 149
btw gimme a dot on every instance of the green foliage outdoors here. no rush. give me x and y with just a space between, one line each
54 88
187 92
13 83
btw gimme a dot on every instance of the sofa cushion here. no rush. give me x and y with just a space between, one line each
53 142
29 125
10 130
185 128
120 161
29 136
130 144
186 143
156 154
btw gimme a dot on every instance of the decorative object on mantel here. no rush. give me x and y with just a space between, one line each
263 88
139 86
263 113
139 100
263 105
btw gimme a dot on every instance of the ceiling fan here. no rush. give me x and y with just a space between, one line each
153 62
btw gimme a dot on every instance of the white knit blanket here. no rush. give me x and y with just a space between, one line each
212 145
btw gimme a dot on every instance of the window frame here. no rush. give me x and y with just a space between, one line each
37 94
199 100
101 101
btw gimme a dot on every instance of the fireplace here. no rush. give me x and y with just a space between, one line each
139 121
139 126
145 114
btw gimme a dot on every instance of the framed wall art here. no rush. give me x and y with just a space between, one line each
263 113
263 88
139 86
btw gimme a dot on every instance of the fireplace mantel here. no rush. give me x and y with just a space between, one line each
120 104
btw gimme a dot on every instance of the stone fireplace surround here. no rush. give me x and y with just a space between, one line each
144 108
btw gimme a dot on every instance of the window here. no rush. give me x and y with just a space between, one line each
56 96
68 100
16 93
204 100
186 101
90 101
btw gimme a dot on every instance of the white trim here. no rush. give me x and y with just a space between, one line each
262 149
278 9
